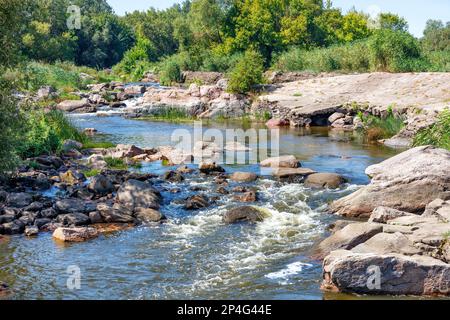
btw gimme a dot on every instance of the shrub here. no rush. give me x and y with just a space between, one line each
382 128
247 72
170 72
11 122
437 135
395 51
115 163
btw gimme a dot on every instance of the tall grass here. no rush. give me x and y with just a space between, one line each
437 135
381 128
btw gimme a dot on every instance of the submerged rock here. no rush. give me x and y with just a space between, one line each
75 234
243 214
406 182
325 180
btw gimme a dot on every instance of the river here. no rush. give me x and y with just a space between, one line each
194 255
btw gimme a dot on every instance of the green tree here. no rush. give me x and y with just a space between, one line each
393 22
436 36
247 73
354 27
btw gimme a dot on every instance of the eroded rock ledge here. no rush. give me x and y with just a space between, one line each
404 248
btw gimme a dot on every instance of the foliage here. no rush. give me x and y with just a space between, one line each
91 173
381 128
247 72
394 51
438 134
436 36
91 144
115 163
170 71
10 129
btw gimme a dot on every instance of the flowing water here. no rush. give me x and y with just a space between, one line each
195 255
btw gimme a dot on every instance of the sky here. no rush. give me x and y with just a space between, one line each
416 12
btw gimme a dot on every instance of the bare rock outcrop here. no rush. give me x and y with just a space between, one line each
406 182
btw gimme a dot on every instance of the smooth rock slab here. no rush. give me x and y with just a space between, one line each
345 271
386 243
347 238
406 182
75 234
384 214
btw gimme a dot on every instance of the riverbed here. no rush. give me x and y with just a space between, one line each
195 255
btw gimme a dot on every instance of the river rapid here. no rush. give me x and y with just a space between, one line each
195 255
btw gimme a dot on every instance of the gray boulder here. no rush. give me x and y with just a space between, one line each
101 185
406 182
137 194
325 180
243 214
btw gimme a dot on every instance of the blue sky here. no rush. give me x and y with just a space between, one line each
417 12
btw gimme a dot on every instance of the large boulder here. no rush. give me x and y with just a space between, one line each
115 214
325 180
73 219
137 194
386 243
75 234
438 208
406 182
101 185
75 105
147 215
292 173
243 214
392 274
196 202
281 162
19 200
74 205
348 237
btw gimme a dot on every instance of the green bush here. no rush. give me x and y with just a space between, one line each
11 123
44 132
437 135
170 72
347 57
381 128
395 51
220 63
247 72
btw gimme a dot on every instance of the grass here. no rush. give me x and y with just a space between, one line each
170 114
115 163
437 135
90 144
381 128
91 173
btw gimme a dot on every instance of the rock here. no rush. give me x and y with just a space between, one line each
243 214
287 173
243 177
73 219
384 214
74 205
134 90
14 227
134 194
273 123
386 243
41 222
412 220
398 142
46 92
4 290
406 182
222 190
34 207
115 214
126 151
281 162
49 213
101 185
90 131
75 105
208 167
335 116
438 208
68 178
196 202
249 196
346 271
185 169
19 200
95 217
325 180
348 238
6 218
148 215
339 225
173 176
31 231
75 234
